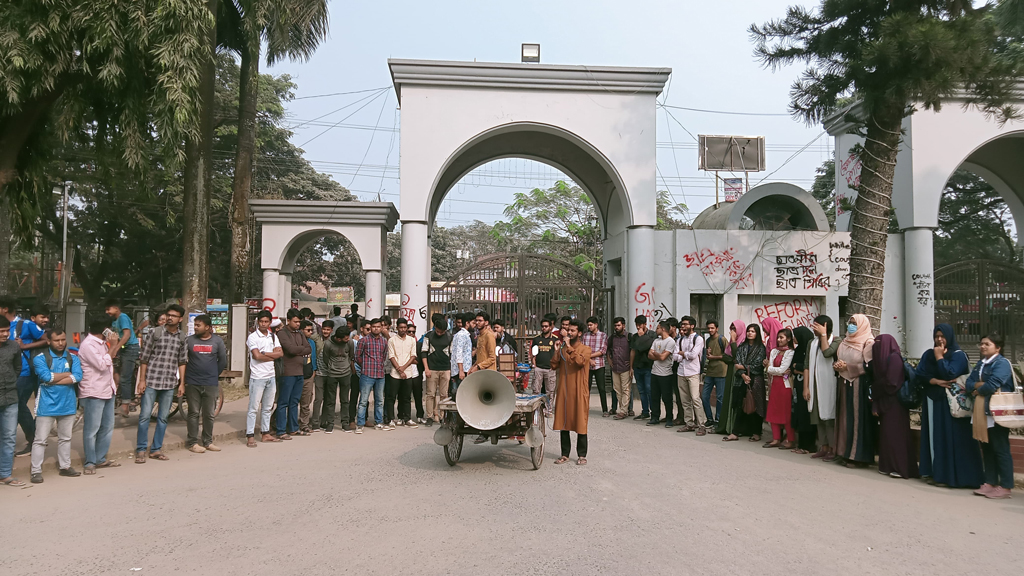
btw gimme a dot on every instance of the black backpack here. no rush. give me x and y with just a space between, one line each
909 394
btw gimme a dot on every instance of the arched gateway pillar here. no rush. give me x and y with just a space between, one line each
596 124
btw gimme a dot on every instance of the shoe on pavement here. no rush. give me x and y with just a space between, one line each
351 425
630 413
701 431
984 490
653 422
643 416
359 429
389 427
329 430
212 447
37 478
395 423
70 472
429 423
196 448
421 420
25 451
378 427
997 493
411 424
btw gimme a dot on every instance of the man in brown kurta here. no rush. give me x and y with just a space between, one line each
571 363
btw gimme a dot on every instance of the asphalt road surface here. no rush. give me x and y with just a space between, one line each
650 501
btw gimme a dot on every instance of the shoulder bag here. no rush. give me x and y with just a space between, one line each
1007 408
961 404
909 394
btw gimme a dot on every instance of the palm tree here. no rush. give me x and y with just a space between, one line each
292 29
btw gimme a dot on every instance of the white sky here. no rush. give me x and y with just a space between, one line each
705 43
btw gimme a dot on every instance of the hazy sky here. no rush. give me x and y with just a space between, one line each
705 43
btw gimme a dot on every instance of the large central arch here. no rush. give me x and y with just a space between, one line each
596 124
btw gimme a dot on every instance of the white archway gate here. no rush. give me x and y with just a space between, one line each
289 226
596 124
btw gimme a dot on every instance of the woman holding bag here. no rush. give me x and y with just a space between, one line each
949 454
821 388
855 429
801 416
992 374
749 383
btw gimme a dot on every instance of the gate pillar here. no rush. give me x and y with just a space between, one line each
640 273
919 281
271 291
374 294
415 270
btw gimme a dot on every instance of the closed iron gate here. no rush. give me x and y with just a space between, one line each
979 297
520 289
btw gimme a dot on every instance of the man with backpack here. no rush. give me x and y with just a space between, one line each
691 348
31 335
58 373
714 369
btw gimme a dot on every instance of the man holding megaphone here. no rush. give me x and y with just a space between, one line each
571 363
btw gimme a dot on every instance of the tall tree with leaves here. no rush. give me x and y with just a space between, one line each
290 28
893 56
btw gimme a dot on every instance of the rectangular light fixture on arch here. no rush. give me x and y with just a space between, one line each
531 53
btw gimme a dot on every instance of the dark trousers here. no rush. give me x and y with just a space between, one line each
390 397
602 390
27 386
996 456
581 444
336 388
289 394
453 386
404 386
129 356
661 392
353 398
417 395
201 400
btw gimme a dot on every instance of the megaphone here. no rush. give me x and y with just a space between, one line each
486 399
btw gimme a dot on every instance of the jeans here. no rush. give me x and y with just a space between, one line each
353 397
643 387
44 424
318 400
335 388
97 428
261 392
997 458
365 385
288 404
390 397
164 399
8 434
129 356
602 390
661 392
202 400
718 383
27 386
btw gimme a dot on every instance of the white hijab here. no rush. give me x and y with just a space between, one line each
823 381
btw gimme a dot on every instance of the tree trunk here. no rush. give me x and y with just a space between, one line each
5 248
198 188
870 227
241 248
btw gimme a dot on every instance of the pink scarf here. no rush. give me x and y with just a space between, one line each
855 349
741 337
772 327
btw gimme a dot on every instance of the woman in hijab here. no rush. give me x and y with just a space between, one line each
821 390
780 398
896 455
749 376
772 327
801 416
949 452
726 420
855 435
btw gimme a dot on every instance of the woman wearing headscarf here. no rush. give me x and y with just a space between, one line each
896 455
772 327
800 416
780 398
949 452
855 435
726 420
749 376
821 390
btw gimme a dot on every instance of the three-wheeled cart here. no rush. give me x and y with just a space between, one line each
527 422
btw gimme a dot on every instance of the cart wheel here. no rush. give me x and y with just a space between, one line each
537 454
220 403
453 450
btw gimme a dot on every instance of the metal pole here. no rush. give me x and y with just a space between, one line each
64 250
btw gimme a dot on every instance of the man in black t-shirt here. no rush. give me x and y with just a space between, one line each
542 349
641 345
436 354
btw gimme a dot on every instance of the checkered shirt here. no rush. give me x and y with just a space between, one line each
163 353
597 342
370 354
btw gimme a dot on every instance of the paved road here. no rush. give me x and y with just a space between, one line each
650 501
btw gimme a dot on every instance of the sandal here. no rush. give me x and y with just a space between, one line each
109 464
730 438
800 451
251 442
89 470
12 481
140 457
772 444
581 461
158 456
562 460
755 438
786 446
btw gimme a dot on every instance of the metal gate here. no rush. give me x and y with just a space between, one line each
520 289
979 297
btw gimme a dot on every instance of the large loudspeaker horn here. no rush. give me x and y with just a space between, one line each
486 399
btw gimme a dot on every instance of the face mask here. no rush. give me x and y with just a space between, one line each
851 328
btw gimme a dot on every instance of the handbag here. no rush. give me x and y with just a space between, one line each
1007 408
909 394
961 404
748 402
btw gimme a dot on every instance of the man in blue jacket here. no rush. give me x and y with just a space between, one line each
58 372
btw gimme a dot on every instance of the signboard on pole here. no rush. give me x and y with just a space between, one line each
733 189
341 295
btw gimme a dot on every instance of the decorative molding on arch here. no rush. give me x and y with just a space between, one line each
527 76
325 212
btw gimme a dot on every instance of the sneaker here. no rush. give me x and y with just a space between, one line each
996 493
429 423
411 424
37 478
653 422
212 447
630 413
643 416
196 448
378 427
421 420
480 439
669 424
25 451
389 427
359 430
314 430
394 423
329 430
70 472
984 490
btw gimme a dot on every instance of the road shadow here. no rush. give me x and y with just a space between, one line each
507 455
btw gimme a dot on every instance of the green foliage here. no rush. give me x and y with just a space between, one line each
824 190
974 222
671 216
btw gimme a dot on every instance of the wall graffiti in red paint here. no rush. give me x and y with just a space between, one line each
406 312
712 263
645 301
792 313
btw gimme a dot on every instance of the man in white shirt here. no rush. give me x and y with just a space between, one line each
691 346
264 348
661 375
402 359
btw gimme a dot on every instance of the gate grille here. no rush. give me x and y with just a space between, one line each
980 297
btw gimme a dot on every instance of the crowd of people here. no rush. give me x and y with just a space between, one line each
835 399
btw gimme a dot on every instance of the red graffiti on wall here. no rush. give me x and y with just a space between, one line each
646 299
272 304
406 312
711 263
792 313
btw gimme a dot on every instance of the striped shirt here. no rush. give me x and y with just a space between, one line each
370 354
598 343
